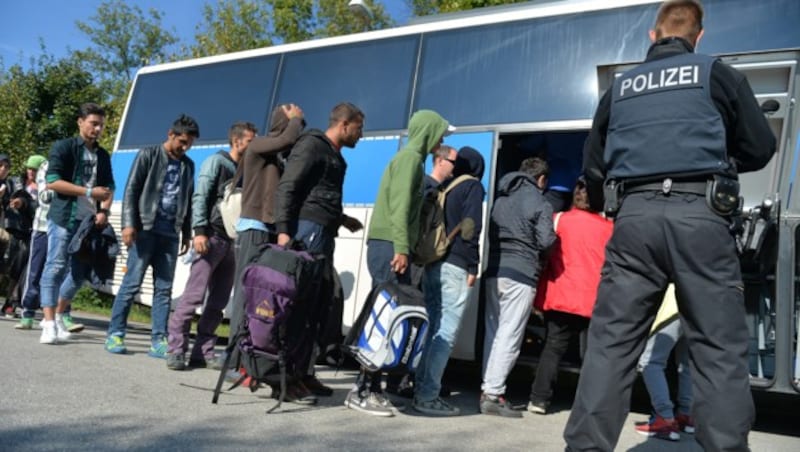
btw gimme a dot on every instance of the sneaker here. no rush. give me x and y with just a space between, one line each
9 311
158 349
497 406
317 387
24 324
366 402
49 333
61 330
538 407
685 423
658 427
392 404
71 326
295 393
176 361
435 407
116 344
214 362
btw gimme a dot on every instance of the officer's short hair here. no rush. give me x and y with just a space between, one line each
238 129
535 166
345 111
680 18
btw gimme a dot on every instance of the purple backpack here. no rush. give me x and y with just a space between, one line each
277 333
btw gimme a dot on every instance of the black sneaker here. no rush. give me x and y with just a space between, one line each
498 406
176 361
295 393
316 387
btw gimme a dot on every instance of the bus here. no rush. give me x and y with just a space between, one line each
516 81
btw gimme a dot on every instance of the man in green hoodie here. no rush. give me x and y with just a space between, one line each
393 232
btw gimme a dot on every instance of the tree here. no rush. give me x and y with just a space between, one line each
230 26
39 105
125 40
235 25
428 7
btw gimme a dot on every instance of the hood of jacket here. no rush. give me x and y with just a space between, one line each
425 129
512 182
470 162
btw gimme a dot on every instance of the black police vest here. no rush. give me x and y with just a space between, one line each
663 121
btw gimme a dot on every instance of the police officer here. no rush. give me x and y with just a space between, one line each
667 131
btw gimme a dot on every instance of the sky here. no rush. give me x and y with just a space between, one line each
24 22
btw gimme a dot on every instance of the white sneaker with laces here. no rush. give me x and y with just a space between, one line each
61 330
49 333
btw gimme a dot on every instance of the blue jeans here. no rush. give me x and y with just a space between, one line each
379 257
57 282
445 299
160 252
653 362
316 238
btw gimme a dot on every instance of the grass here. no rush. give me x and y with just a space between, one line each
89 300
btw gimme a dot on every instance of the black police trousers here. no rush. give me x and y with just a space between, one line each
660 239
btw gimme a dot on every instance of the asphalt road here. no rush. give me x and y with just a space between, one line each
76 397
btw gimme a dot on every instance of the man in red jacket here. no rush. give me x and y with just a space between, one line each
568 288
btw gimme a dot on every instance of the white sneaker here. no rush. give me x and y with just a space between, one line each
49 333
61 331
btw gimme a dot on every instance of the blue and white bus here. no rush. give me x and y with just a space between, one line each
517 81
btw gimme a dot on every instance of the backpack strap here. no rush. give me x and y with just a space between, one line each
456 181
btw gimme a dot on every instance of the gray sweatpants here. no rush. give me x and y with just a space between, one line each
508 306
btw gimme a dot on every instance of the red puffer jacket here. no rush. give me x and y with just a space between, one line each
570 279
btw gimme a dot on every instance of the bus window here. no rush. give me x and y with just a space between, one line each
374 75
201 92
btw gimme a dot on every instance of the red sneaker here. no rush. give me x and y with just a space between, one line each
659 427
685 423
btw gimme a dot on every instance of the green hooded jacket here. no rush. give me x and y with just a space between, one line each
395 217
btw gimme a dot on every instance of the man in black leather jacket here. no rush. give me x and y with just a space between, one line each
156 213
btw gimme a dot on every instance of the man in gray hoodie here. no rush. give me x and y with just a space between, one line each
520 233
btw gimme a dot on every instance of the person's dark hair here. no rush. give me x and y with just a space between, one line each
535 166
344 111
185 125
90 108
443 152
238 129
679 18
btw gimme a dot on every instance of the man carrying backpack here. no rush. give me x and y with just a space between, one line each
308 206
447 282
393 233
213 271
520 232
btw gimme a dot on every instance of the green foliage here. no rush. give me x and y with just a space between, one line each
39 105
235 25
124 39
88 298
231 25
336 19
428 7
